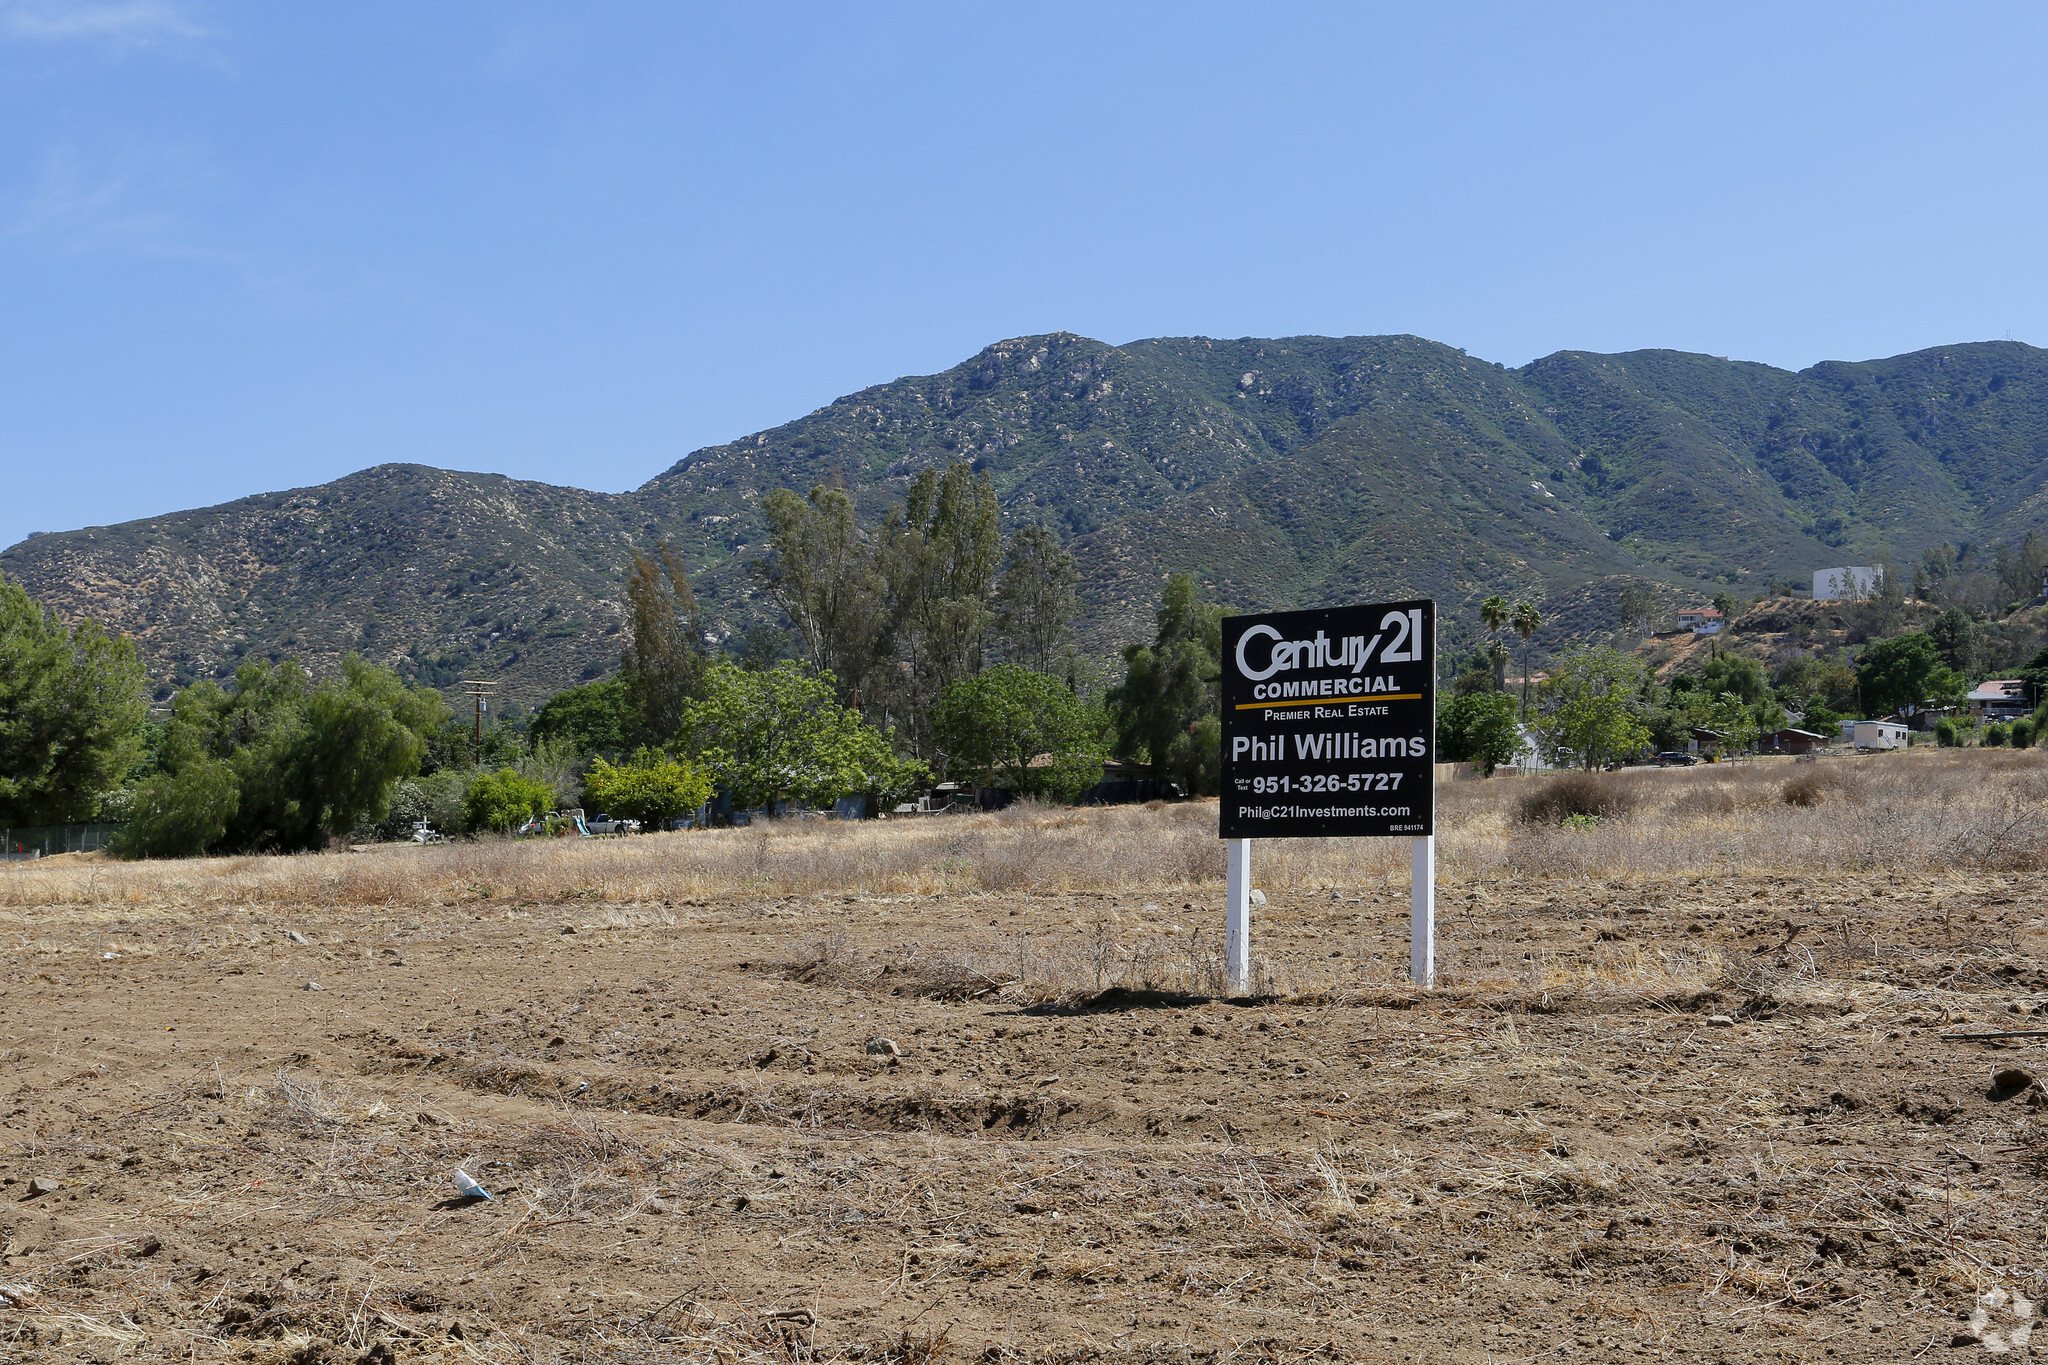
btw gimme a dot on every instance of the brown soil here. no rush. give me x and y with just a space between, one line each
697 1154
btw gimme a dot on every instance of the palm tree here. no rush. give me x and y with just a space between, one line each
1497 660
1525 620
1493 614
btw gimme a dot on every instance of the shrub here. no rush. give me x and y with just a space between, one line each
1576 794
1707 801
180 815
653 789
2023 733
1945 733
1995 736
1812 787
503 801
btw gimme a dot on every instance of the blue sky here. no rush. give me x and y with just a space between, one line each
255 246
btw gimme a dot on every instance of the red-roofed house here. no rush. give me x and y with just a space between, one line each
1999 699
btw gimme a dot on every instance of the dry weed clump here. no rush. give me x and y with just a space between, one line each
1814 785
1577 796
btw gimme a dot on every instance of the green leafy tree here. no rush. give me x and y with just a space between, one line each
2035 676
1734 675
1955 636
939 558
895 617
653 788
1591 706
663 664
1478 727
783 733
181 814
2019 569
1477 679
597 718
309 763
71 712
1168 708
502 801
455 742
1819 680
1022 731
1905 670
1035 601
1819 720
827 577
1637 607
364 733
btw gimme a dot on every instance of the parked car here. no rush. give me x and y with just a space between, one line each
1672 758
604 824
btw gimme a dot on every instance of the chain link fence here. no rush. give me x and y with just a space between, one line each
41 841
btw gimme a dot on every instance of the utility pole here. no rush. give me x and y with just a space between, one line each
480 689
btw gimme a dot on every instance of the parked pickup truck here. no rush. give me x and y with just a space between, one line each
604 824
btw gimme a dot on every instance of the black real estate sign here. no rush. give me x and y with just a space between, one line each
1329 722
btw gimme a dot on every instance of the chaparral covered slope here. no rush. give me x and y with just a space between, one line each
1288 472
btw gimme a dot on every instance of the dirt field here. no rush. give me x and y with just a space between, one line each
932 1112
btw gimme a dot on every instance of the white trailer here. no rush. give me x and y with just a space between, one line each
1881 734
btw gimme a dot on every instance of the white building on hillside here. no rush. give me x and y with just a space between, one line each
1846 584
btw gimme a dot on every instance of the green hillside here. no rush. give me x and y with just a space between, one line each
1289 472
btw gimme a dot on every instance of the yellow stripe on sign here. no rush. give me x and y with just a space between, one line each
1321 701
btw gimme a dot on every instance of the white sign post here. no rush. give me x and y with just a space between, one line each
1422 911
1237 932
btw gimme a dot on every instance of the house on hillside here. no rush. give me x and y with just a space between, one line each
1790 741
1701 620
1999 699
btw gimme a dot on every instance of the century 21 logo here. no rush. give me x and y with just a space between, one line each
1352 651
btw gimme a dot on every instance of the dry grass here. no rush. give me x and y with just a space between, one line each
1926 812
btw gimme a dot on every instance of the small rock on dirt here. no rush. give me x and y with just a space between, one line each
883 1047
568 928
1720 1021
44 1184
312 986
2010 1081
295 936
1258 897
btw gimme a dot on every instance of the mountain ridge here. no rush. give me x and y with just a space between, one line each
1283 472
